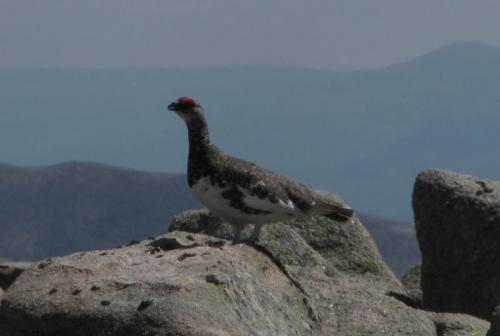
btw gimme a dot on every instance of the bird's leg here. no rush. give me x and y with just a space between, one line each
256 232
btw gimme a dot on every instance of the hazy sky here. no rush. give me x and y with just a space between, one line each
321 33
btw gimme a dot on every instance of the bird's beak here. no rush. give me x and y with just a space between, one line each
172 107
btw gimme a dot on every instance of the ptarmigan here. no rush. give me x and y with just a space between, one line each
241 192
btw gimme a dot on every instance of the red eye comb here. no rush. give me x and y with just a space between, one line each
186 100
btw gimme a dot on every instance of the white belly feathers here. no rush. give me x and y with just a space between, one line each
211 197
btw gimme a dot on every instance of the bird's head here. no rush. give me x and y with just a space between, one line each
186 108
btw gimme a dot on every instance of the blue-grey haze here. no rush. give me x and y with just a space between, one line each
334 34
363 134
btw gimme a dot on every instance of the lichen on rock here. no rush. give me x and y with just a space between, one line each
303 277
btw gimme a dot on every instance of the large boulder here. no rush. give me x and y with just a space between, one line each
313 277
457 220
9 271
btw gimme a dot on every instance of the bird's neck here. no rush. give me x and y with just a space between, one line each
199 139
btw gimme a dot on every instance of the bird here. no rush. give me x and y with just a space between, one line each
241 192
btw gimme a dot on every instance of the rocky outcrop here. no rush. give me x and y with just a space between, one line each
10 271
457 220
315 277
447 324
411 281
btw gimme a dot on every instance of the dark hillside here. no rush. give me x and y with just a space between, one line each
396 242
75 206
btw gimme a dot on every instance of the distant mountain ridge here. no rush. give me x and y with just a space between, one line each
451 56
78 206
363 134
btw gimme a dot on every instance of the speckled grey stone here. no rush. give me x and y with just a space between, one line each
457 219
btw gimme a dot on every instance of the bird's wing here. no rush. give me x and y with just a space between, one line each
261 196
267 191
258 188
299 199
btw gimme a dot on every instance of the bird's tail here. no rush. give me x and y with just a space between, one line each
332 207
339 213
